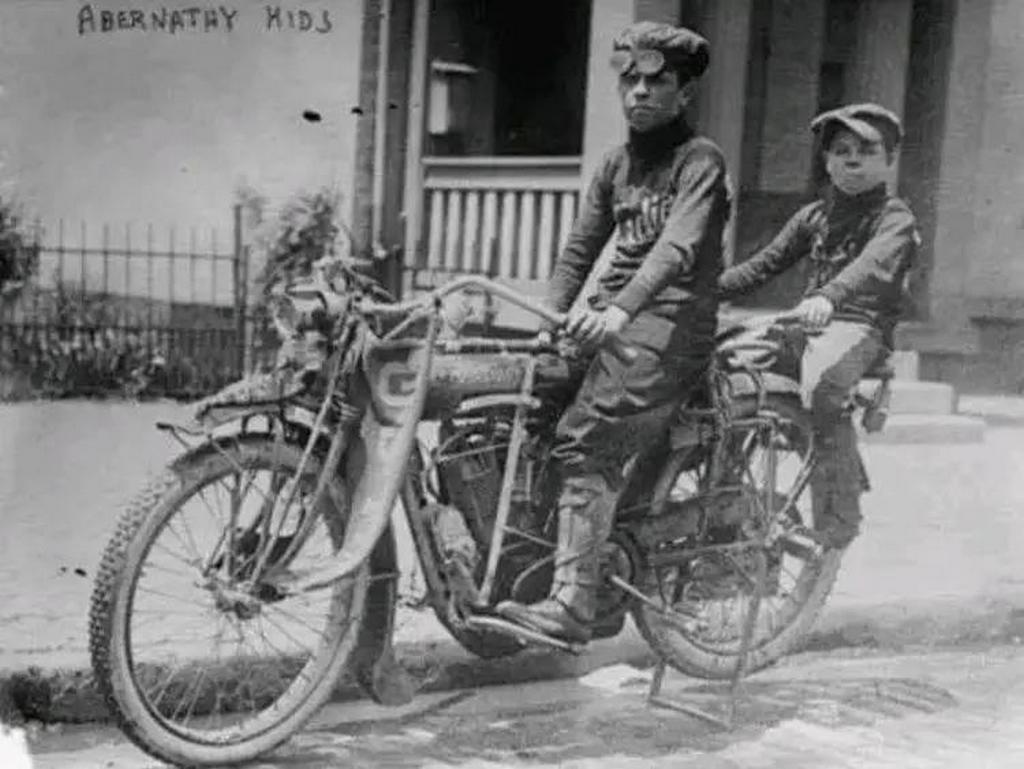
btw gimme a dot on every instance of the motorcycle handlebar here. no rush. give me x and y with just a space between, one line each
623 351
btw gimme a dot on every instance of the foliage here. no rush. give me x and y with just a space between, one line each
19 248
306 229
85 345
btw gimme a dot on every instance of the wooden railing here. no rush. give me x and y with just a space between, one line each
502 216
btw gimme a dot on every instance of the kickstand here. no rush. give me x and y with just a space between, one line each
654 697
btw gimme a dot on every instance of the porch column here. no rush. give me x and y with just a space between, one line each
791 94
995 270
664 11
882 55
960 189
604 126
723 92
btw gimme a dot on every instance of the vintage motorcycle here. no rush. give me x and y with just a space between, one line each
261 568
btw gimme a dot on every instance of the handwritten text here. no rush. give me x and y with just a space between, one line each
208 18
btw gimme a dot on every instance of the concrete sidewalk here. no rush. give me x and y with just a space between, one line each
939 561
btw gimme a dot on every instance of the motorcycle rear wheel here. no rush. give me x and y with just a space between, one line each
716 658
282 691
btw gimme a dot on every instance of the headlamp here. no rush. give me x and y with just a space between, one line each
305 308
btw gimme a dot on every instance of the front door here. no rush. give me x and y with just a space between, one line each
502 138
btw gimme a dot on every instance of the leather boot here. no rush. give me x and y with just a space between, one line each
837 482
586 510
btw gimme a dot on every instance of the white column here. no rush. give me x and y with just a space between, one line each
604 126
723 92
664 11
791 94
413 193
959 219
879 71
995 267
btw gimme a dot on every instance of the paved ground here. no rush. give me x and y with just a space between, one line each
948 710
945 524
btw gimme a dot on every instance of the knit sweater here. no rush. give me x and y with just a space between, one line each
860 250
665 196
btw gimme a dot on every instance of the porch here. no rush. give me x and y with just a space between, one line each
499 138
504 217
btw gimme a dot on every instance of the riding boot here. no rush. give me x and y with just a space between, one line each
586 509
837 482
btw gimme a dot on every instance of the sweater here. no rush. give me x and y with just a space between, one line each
665 196
860 250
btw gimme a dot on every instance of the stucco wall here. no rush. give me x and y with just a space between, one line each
146 125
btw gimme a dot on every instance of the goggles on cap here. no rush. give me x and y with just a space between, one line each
646 61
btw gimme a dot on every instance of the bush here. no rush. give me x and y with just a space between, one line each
78 346
306 229
19 249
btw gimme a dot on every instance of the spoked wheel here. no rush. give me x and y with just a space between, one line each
707 597
202 664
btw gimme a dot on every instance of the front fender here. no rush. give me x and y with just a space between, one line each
253 396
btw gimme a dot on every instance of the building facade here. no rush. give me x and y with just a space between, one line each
483 119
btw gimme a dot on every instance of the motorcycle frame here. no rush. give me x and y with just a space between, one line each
370 515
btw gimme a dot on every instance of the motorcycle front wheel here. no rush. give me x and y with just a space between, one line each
199 663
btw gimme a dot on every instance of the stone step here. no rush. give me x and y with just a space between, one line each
912 397
907 364
928 429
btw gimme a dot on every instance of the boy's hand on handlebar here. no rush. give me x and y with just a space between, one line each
590 328
815 311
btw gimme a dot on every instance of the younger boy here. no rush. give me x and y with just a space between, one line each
860 241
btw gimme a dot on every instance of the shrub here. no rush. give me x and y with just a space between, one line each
19 248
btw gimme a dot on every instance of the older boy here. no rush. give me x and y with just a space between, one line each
861 242
665 197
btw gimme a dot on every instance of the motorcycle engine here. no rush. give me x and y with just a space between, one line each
470 466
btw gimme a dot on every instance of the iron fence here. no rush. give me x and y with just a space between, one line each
126 312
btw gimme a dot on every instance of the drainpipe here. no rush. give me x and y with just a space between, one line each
380 129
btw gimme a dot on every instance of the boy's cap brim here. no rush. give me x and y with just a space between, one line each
862 128
868 121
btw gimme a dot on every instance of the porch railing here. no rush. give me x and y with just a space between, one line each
502 216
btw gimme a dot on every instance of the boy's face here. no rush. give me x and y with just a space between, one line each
650 101
855 164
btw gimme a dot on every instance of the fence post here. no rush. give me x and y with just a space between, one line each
241 280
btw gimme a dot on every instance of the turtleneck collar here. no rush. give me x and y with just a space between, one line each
840 204
661 140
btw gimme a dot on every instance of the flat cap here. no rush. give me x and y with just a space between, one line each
869 121
682 48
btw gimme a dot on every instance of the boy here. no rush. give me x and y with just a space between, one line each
664 194
861 242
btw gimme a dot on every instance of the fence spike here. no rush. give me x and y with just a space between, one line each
83 245
127 260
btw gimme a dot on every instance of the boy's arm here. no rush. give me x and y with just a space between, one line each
878 264
703 193
590 232
783 252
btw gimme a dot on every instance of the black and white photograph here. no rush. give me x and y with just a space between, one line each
544 384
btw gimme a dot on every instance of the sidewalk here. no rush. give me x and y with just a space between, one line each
939 561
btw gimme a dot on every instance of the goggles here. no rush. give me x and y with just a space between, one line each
646 61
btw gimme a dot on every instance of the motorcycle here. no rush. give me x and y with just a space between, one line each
261 568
